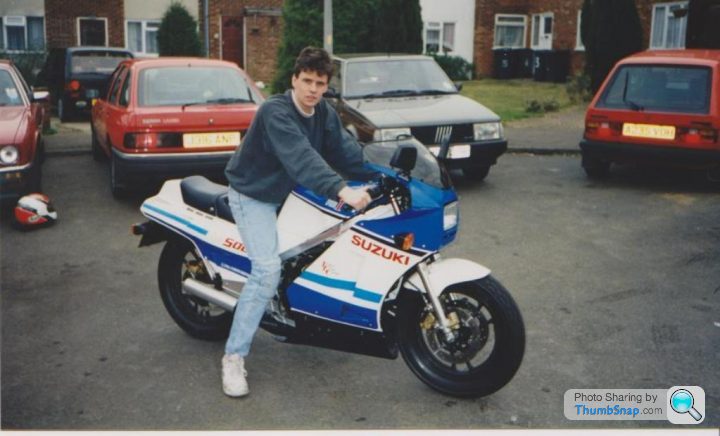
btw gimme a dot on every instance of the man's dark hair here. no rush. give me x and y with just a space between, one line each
313 59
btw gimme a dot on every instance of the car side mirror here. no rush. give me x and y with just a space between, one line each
331 93
41 96
404 158
459 86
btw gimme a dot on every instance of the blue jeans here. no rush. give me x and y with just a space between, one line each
257 223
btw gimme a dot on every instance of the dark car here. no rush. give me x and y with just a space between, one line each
381 97
656 107
21 146
76 76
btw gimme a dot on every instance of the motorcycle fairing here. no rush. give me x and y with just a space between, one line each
348 283
216 240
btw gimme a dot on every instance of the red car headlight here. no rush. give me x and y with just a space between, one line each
9 155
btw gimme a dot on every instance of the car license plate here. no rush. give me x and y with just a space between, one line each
652 131
219 139
461 151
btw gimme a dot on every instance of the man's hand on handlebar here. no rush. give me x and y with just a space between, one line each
358 198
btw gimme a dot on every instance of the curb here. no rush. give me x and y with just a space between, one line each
66 152
545 151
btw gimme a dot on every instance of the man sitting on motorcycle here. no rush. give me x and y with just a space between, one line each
295 138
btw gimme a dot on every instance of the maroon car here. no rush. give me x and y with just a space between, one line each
21 145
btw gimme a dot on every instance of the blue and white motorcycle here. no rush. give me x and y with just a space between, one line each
370 282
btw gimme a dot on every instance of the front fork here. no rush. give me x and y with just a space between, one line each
448 323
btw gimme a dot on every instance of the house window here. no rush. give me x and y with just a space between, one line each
433 33
578 38
22 33
510 31
92 31
668 30
142 36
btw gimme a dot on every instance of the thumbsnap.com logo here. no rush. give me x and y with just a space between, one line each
686 405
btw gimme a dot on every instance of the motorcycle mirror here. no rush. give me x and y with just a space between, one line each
404 158
331 93
444 148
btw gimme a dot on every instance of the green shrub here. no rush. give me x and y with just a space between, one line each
178 35
578 89
540 107
455 67
610 30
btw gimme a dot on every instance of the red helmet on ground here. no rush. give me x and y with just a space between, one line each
35 210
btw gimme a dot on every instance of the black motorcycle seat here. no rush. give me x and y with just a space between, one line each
201 193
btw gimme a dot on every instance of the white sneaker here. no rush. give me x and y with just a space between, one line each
233 376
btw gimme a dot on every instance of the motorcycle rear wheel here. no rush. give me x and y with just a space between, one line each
179 260
490 340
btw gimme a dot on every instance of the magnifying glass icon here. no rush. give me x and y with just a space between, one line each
681 401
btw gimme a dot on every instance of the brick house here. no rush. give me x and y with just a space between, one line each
555 25
247 32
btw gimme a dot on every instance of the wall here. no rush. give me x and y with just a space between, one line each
155 9
564 31
61 20
262 33
32 8
460 12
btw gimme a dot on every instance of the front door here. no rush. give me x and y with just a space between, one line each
232 40
542 27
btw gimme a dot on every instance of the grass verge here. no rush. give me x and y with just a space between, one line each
510 99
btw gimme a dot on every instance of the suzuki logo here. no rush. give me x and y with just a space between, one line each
442 132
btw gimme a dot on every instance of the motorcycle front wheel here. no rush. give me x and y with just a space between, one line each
179 260
488 344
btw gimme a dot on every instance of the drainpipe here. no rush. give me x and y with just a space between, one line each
206 17
328 26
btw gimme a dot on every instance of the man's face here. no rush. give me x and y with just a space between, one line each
309 88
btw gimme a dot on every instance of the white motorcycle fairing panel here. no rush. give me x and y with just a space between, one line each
349 281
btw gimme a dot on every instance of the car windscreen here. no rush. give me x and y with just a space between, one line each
427 168
9 92
659 88
390 78
193 85
96 62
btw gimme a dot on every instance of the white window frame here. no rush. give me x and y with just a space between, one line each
523 25
579 46
440 27
665 27
77 22
442 36
433 25
541 29
143 30
25 30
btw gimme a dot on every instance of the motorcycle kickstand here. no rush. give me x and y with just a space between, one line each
445 323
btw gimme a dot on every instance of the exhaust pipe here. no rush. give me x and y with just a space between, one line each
210 294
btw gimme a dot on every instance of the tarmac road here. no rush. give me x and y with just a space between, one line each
618 284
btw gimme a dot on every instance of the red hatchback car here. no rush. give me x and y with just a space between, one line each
171 117
658 107
21 146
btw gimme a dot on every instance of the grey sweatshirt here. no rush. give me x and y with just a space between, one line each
283 148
